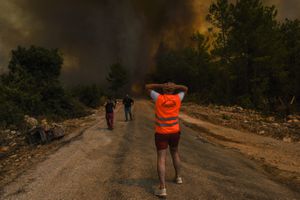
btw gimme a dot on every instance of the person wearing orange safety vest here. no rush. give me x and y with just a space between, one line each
167 130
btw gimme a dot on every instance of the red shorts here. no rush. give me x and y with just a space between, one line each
163 140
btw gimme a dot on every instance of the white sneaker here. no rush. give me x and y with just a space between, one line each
178 180
160 192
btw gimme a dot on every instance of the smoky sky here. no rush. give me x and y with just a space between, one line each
94 34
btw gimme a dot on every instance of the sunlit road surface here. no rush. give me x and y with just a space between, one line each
120 164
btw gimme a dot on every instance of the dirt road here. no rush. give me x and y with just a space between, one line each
120 164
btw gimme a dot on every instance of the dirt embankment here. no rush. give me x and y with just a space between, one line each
16 155
273 143
252 121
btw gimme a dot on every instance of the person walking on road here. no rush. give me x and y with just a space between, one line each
128 102
167 130
109 113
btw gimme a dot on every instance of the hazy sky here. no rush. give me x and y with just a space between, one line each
93 34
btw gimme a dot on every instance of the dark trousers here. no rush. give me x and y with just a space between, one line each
128 112
110 120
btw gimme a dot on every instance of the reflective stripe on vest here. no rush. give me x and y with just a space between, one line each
165 119
166 125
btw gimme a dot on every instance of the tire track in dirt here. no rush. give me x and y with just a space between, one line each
131 178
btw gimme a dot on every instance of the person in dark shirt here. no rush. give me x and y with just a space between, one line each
128 102
109 113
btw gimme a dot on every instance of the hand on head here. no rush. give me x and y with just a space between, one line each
169 87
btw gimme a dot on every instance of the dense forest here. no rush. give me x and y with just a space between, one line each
249 58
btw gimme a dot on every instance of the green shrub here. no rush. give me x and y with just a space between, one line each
89 95
32 87
245 101
10 114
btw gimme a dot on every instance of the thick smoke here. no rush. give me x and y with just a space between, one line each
286 8
93 34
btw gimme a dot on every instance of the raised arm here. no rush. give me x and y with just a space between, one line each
181 88
172 86
153 86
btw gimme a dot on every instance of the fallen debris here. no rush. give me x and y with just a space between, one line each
15 152
31 122
42 133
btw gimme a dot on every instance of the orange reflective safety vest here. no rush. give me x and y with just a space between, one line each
167 113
